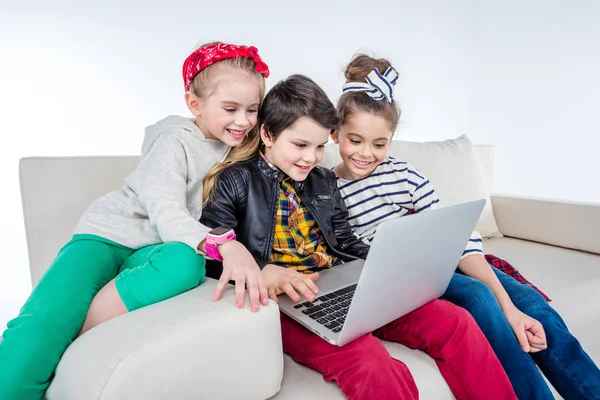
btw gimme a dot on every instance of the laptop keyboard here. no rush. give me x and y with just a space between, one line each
329 309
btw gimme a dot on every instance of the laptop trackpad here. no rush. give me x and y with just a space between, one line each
340 276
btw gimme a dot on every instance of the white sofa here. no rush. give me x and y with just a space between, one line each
190 347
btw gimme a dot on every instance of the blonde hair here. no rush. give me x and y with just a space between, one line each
201 87
244 152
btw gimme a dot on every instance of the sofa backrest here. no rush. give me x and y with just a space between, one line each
56 190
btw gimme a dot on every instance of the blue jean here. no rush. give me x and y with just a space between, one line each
564 362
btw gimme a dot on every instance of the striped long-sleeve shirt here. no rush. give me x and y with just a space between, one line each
393 190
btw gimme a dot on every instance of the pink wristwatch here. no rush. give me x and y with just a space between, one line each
216 237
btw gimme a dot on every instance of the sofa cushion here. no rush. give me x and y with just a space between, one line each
301 383
569 277
55 192
186 347
565 223
506 267
452 167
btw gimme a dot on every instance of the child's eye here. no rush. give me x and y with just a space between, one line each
380 146
230 110
253 111
300 145
354 141
321 146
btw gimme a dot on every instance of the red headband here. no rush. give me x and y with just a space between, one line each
208 55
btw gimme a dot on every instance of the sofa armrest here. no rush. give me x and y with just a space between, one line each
181 348
570 224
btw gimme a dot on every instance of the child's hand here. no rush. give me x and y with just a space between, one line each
530 332
239 266
288 281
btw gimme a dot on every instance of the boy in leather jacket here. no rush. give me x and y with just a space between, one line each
290 215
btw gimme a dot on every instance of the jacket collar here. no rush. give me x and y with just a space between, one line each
268 169
274 173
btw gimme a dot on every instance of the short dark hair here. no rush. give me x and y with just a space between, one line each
293 98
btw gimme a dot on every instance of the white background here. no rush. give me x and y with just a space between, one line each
83 78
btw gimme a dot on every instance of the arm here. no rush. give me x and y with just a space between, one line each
474 246
226 203
424 198
421 191
221 209
477 267
238 263
347 240
528 331
162 174
289 281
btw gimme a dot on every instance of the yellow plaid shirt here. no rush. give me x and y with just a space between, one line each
298 242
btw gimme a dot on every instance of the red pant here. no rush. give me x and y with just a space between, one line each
363 369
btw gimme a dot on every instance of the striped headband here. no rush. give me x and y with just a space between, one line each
378 86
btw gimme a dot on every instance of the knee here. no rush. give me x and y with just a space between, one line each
455 314
369 355
533 304
47 326
371 372
452 319
32 350
478 299
180 265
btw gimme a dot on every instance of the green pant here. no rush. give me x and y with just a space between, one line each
34 342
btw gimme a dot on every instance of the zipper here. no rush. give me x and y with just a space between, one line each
274 200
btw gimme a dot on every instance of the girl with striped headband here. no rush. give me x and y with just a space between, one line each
515 316
143 243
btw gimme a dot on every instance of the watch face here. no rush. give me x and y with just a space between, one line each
219 231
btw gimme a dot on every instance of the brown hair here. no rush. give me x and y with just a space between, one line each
350 102
293 98
289 100
201 87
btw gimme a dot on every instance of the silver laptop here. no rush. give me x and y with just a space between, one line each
410 263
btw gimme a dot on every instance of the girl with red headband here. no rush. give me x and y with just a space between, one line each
143 243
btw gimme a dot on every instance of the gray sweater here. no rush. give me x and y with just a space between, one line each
161 201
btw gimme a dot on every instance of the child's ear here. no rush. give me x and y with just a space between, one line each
193 103
335 136
266 137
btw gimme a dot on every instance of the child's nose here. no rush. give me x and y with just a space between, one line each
242 120
310 157
365 151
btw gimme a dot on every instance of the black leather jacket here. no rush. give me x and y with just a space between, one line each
245 198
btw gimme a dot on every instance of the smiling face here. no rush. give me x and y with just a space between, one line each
364 140
297 149
230 110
